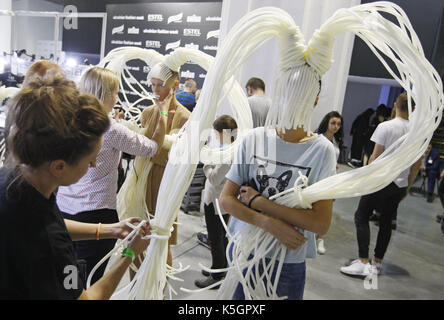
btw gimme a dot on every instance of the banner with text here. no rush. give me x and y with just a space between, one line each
164 27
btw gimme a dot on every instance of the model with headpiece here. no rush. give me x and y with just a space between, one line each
131 199
257 252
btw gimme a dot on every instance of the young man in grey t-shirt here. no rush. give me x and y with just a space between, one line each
258 101
268 162
387 199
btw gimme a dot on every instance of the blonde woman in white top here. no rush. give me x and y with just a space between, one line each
93 198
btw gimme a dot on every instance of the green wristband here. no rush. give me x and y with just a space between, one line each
128 252
164 113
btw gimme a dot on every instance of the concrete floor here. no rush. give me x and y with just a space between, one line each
413 266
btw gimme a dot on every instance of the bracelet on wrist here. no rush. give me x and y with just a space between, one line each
128 252
98 231
251 200
164 113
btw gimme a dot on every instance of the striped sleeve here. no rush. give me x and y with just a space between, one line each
128 141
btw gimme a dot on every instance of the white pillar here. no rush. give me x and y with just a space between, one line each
308 15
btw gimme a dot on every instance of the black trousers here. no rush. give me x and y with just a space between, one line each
432 178
386 201
218 240
92 251
441 191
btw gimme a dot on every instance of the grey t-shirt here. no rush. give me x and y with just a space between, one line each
259 106
271 165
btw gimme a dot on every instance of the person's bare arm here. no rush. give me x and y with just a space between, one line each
317 219
377 151
414 169
88 231
105 286
281 230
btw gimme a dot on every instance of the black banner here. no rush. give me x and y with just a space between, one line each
164 27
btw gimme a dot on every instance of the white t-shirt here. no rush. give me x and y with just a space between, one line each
386 134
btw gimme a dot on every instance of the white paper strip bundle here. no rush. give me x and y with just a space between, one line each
116 61
150 280
5 92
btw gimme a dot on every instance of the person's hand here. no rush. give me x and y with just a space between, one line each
285 233
246 193
137 243
164 105
118 114
442 174
121 230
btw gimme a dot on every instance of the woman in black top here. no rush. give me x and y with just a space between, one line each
55 137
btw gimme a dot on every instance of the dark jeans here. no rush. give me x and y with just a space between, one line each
291 281
432 177
92 251
218 240
387 201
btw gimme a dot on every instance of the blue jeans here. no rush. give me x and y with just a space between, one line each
291 281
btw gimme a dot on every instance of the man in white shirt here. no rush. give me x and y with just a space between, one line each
259 103
387 198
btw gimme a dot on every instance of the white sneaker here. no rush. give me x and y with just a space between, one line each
320 246
357 268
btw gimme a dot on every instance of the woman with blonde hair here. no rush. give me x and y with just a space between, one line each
93 198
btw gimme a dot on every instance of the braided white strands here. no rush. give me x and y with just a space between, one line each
116 61
401 45
291 109
5 92
151 277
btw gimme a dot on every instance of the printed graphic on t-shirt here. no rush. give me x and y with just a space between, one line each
271 182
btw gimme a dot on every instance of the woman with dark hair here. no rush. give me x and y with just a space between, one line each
331 127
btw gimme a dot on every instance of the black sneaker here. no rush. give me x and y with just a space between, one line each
205 273
202 238
429 197
442 225
439 218
203 283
